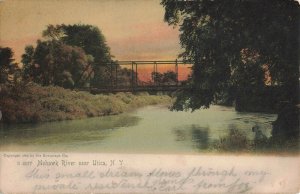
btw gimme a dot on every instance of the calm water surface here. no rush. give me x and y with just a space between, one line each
152 129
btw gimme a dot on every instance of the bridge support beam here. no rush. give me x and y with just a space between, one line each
132 76
136 75
176 71
134 84
155 73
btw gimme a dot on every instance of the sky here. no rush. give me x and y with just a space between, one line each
134 29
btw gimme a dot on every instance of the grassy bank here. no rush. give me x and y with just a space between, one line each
237 141
34 103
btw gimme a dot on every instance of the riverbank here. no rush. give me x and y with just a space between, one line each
34 103
150 129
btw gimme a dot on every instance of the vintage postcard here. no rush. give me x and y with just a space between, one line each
149 96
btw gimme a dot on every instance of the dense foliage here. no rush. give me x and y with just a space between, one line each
238 48
7 66
69 56
54 63
93 42
34 103
168 77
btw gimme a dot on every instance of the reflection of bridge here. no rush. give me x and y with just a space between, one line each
125 77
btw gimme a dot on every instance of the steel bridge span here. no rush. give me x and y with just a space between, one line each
135 84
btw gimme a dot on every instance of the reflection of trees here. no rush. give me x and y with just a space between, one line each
200 136
195 134
95 129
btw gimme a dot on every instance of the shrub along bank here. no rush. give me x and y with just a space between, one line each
34 103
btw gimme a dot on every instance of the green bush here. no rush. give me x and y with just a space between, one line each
35 103
234 141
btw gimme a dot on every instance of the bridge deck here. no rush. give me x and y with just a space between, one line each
134 83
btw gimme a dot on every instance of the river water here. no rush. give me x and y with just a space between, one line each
152 129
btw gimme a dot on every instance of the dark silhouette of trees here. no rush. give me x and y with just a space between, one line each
7 66
168 77
92 41
69 56
233 46
55 63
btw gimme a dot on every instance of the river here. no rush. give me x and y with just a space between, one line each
152 129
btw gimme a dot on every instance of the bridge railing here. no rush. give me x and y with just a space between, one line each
129 76
126 74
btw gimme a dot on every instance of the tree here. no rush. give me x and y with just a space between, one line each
91 40
168 77
7 67
157 77
231 43
55 63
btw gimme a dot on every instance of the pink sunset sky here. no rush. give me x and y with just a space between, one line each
134 29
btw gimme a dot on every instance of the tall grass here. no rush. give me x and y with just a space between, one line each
34 103
237 141
234 141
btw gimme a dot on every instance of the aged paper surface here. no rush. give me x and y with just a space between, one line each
41 160
121 173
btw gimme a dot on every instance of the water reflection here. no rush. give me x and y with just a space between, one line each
152 129
234 136
197 135
200 137
93 129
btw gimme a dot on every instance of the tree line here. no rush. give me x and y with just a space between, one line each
244 51
70 56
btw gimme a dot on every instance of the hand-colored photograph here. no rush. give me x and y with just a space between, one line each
149 96
150 76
